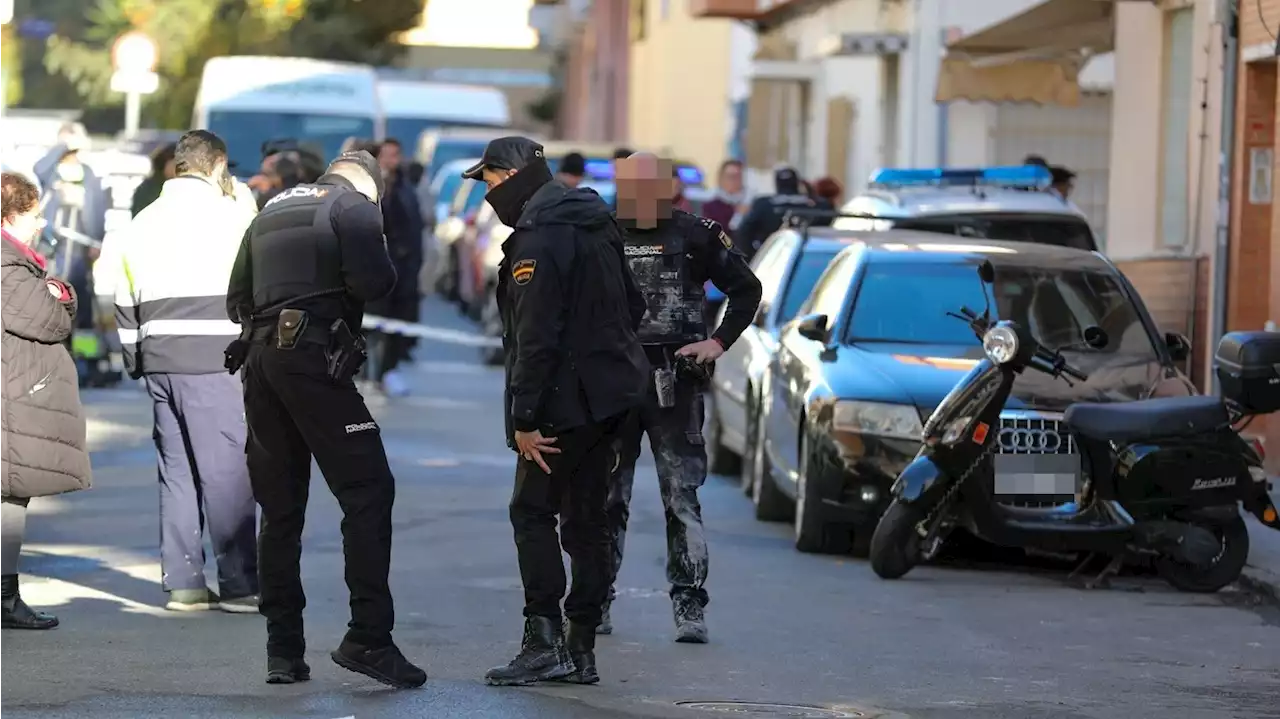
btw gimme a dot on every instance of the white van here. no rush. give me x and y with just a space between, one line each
412 107
247 100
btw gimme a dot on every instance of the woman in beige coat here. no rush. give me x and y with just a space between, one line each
43 423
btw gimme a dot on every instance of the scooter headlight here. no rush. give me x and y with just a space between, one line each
1001 344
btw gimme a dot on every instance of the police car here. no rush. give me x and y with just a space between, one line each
995 203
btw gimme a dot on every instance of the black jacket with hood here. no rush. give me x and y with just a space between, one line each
570 308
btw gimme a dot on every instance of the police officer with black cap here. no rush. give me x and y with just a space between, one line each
575 373
311 259
672 254
767 213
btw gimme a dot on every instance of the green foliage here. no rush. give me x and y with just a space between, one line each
11 60
189 32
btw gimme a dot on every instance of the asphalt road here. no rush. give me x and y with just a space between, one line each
946 642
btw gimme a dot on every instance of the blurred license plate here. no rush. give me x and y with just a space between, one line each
1037 477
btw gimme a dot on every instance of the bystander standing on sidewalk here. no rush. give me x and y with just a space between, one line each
43 426
175 259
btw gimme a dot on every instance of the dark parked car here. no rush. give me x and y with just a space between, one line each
788 265
873 352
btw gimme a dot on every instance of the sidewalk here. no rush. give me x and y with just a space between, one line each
1262 574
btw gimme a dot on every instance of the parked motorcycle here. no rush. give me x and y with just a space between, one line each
1162 477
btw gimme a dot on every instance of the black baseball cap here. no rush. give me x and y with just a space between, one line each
506 153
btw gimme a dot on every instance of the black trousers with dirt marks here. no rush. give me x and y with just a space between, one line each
675 436
294 411
575 490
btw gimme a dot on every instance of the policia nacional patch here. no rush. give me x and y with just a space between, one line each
522 271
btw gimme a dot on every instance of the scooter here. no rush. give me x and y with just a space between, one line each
1162 477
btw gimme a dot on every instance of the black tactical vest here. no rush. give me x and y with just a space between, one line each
294 248
663 268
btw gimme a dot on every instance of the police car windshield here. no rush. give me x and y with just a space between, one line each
1045 230
244 133
907 302
806 275
407 130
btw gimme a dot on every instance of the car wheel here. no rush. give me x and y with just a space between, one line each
721 460
770 503
813 532
747 476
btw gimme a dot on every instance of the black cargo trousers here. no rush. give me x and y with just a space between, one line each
293 412
575 490
675 436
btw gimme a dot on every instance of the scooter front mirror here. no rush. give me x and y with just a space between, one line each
987 272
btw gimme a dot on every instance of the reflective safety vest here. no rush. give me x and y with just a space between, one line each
174 263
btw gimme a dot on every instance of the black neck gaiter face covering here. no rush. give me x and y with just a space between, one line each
509 198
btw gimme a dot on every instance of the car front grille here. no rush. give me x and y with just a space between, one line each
1038 425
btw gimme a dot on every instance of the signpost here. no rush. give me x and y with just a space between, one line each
134 58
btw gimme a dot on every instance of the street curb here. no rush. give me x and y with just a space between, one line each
1259 584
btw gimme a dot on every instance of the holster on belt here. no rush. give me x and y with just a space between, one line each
345 353
234 356
289 328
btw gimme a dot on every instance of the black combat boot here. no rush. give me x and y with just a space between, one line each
281 670
691 620
606 621
17 615
384 664
582 650
542 656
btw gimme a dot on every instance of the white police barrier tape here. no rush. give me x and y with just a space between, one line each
426 332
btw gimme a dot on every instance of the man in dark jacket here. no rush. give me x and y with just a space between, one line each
575 373
402 221
162 170
766 213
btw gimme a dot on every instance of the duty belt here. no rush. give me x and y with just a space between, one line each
316 332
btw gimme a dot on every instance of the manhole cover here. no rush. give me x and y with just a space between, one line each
759 709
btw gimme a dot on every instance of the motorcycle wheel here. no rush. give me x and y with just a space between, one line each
1225 569
895 545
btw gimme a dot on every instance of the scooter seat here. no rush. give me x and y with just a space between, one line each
1128 422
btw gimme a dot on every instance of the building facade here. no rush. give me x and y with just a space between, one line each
684 74
595 69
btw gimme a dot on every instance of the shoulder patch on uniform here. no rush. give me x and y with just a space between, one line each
522 271
724 240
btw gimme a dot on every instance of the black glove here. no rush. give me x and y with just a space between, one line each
690 369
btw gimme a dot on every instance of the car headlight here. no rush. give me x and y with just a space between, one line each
885 420
1000 343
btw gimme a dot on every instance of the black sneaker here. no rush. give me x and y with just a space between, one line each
383 664
581 646
691 621
281 670
17 614
542 656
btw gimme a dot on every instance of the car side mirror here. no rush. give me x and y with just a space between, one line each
813 327
1179 346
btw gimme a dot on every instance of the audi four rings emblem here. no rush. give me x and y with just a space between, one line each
1029 440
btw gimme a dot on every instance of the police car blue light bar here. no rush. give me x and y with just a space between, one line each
1020 176
689 175
600 169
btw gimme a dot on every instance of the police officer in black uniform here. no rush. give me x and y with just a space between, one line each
672 254
575 374
311 259
767 213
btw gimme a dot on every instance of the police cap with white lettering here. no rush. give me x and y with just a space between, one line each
506 153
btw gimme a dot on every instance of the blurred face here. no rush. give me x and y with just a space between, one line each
25 226
645 190
493 177
389 157
731 179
